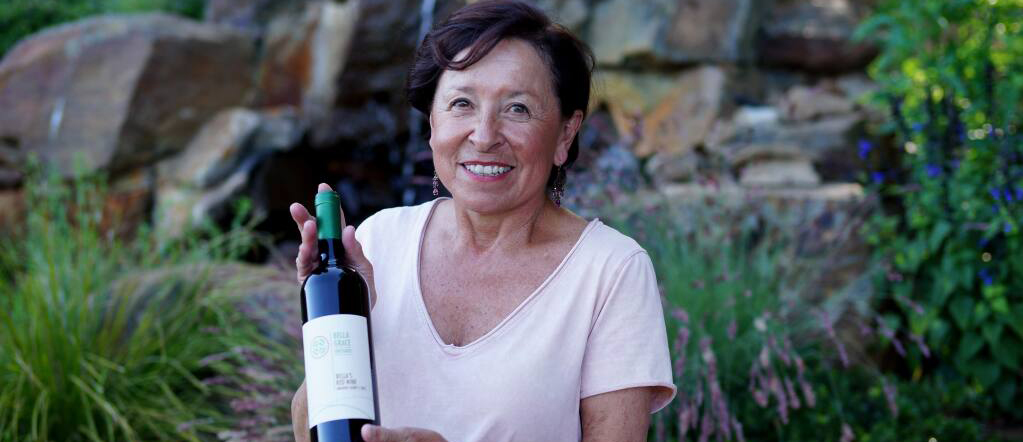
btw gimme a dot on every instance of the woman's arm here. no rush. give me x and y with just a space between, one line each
621 415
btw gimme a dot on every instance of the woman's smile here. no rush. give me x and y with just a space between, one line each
486 171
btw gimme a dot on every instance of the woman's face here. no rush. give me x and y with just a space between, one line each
496 129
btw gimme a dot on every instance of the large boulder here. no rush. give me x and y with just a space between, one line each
663 32
815 35
206 178
304 56
119 91
670 113
758 133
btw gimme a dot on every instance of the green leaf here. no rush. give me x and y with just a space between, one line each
1000 305
969 346
992 331
938 331
986 372
961 309
1009 352
1005 391
1016 319
941 230
981 311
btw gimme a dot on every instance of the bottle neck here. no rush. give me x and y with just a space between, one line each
332 251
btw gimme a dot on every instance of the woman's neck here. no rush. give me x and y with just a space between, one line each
510 230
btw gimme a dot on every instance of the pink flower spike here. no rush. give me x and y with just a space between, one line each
847 433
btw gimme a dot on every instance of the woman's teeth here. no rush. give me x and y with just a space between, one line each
487 170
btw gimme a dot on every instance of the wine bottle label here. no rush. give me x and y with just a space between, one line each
339 382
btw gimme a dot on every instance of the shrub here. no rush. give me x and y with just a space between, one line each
949 237
107 338
765 343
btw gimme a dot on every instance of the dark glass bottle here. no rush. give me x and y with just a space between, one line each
339 365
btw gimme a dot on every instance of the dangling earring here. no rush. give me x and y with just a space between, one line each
436 185
559 186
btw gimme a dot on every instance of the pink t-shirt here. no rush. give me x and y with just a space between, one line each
594 325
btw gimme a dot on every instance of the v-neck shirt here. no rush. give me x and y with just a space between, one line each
594 325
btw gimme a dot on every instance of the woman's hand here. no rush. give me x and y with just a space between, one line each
371 433
374 433
308 253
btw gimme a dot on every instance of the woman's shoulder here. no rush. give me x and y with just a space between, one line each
605 243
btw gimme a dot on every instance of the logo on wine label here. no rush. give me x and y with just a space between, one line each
319 347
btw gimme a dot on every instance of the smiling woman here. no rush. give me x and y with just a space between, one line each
499 315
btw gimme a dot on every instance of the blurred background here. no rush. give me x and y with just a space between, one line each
830 191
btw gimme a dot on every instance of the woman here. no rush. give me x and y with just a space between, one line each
499 315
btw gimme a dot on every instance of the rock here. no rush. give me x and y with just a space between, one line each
814 35
304 55
11 161
373 80
666 113
673 167
129 199
12 209
215 151
179 207
804 103
279 129
572 14
780 173
731 195
119 91
250 16
662 32
856 86
829 143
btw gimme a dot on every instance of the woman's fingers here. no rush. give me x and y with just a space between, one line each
299 415
376 433
308 252
353 251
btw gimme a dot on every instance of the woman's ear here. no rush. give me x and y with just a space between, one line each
569 129
429 142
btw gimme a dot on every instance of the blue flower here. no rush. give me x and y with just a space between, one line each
878 177
1007 195
995 193
986 277
865 148
1019 193
917 127
933 170
1008 228
983 242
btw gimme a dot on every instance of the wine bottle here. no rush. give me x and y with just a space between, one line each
339 366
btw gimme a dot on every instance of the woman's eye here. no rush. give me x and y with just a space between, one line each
460 103
518 108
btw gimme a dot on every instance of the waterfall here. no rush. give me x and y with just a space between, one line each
415 120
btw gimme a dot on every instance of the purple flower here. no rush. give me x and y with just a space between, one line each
865 148
933 170
889 394
878 177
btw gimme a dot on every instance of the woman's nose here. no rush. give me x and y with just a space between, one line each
485 134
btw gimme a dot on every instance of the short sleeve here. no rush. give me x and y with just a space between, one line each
628 345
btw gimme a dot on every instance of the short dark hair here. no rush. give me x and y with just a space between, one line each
480 27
